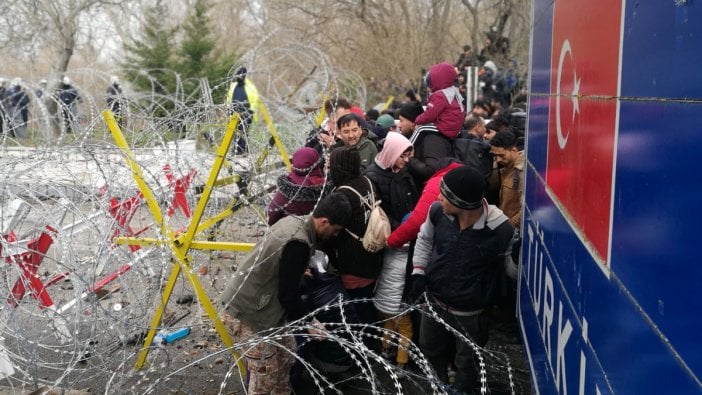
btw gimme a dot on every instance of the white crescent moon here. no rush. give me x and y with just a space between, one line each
562 140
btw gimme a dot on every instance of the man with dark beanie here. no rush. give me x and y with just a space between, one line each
407 114
461 246
418 168
359 268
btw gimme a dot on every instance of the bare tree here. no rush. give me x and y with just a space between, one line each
369 39
379 40
32 27
472 7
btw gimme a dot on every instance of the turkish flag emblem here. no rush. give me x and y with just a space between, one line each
583 115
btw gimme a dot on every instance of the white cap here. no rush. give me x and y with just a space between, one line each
66 80
114 79
490 65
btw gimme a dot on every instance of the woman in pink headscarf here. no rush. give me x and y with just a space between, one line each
390 174
300 190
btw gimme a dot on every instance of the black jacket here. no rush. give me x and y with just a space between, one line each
351 257
396 190
463 265
430 147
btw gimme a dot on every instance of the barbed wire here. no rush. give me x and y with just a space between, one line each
78 305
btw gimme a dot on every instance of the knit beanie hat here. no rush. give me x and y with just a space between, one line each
344 163
464 187
411 110
305 163
386 121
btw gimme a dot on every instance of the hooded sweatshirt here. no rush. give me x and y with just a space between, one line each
445 106
396 188
395 145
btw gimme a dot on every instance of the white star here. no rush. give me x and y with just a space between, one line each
574 95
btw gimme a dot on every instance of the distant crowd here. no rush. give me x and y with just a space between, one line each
15 104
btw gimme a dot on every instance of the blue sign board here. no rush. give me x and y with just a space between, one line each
610 291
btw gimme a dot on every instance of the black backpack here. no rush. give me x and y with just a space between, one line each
474 153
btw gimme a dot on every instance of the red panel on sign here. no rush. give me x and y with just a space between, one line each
583 116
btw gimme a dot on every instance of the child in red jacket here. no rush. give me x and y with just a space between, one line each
409 229
445 106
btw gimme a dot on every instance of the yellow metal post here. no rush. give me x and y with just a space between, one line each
276 138
322 112
387 103
181 244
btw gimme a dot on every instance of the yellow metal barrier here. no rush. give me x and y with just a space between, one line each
276 139
387 103
180 244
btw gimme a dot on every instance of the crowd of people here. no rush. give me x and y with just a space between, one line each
15 103
449 177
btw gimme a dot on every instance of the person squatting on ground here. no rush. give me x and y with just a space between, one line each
398 196
461 247
265 293
298 191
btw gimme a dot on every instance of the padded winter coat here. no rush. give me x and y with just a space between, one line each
409 229
391 282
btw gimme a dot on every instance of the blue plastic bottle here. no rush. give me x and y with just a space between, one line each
170 337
